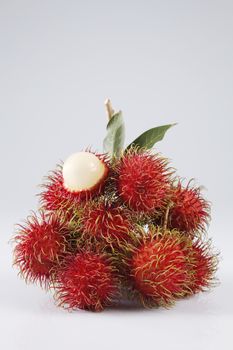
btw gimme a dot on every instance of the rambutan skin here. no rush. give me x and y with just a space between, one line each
203 264
40 246
143 180
108 221
158 268
88 281
57 197
189 211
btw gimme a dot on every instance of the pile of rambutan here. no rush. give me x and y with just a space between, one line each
118 225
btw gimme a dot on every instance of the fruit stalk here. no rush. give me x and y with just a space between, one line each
109 109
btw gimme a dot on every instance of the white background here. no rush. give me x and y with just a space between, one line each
160 62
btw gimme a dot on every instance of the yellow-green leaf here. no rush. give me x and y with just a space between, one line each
150 137
114 140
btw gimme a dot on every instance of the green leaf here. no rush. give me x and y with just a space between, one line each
114 140
150 137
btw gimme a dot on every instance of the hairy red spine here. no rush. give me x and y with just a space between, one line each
158 267
40 246
56 197
87 281
189 211
107 221
143 181
203 265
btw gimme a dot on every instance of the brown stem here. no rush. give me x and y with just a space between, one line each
166 216
110 110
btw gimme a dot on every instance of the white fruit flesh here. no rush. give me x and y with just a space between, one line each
81 171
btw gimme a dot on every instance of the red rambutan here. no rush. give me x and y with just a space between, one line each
203 265
40 245
57 195
87 281
117 225
158 267
107 221
143 180
189 212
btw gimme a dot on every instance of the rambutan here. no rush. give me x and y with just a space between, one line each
143 180
40 246
79 179
88 281
105 220
189 211
117 225
202 264
158 267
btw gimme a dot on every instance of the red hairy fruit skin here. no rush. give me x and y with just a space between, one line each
40 246
159 268
88 281
143 180
56 197
189 211
203 264
107 221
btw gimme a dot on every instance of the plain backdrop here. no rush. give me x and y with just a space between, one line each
160 62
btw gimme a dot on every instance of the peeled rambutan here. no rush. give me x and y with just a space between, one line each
158 267
203 265
109 221
189 211
88 281
80 178
143 180
40 246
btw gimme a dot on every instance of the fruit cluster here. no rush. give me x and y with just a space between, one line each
117 226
